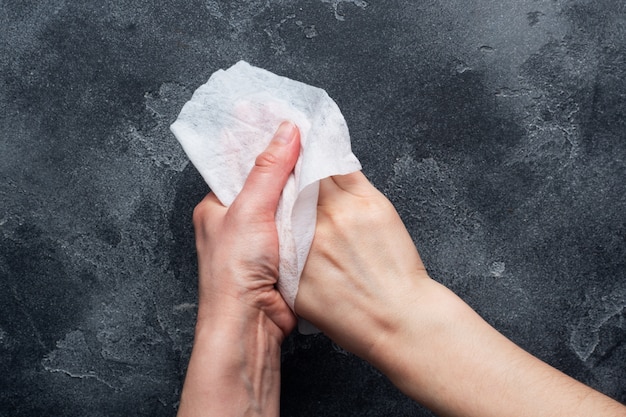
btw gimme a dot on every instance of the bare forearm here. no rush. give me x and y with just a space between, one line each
234 370
447 357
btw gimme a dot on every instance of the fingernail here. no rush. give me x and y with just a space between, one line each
286 132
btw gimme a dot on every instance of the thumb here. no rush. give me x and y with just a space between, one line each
272 167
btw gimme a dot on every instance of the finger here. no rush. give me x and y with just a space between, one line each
209 208
353 182
271 170
210 204
328 191
211 199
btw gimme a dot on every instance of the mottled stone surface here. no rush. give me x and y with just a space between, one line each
497 128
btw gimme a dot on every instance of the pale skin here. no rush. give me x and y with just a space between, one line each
365 286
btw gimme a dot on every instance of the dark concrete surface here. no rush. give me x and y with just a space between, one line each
497 128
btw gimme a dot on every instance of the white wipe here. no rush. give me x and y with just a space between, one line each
231 119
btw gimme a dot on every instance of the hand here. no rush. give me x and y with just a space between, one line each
362 262
365 286
242 319
238 246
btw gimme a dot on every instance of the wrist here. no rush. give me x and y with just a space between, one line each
234 367
233 348
420 324
232 316
402 307
236 332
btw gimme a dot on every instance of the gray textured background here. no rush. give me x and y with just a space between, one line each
497 128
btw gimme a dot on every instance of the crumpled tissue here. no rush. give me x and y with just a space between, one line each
231 119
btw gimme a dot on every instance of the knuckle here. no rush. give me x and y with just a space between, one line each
266 160
200 214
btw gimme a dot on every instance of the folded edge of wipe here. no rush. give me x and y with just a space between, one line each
231 119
